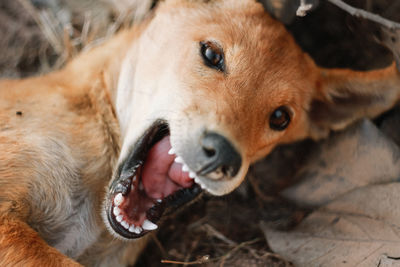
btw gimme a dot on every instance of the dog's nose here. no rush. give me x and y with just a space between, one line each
220 159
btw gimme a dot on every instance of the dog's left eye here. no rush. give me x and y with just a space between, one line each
213 55
279 119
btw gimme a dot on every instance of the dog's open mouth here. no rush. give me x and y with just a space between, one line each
150 180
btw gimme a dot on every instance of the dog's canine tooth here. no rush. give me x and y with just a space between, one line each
179 160
185 168
192 175
116 211
125 224
148 225
119 198
119 218
171 151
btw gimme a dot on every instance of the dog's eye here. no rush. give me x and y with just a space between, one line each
213 55
279 119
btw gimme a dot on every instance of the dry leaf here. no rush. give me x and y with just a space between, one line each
362 228
359 156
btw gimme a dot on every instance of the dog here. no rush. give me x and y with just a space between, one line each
92 155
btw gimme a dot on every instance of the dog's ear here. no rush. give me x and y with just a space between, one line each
343 96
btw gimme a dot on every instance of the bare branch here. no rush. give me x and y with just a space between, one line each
303 8
365 14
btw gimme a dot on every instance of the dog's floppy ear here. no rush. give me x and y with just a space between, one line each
342 96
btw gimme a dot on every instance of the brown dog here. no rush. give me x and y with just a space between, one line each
188 99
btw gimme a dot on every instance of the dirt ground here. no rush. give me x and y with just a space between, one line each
223 231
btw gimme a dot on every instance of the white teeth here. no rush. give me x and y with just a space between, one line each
137 230
116 211
131 228
141 186
171 151
198 181
159 200
179 160
125 224
185 168
148 225
119 198
119 218
192 175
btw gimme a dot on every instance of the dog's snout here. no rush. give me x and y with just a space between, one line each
220 158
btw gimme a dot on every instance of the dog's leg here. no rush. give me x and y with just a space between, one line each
20 245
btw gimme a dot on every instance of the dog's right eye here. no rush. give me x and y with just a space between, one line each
213 55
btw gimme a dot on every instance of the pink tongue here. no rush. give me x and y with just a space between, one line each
161 176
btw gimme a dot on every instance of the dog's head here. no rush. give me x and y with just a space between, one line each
207 89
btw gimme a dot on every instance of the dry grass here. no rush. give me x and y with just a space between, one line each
42 35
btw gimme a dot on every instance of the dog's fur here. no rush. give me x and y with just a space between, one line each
63 134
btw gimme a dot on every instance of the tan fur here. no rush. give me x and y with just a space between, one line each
63 134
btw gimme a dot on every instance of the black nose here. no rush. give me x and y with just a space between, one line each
220 158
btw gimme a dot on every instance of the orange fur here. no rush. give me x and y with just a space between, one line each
21 246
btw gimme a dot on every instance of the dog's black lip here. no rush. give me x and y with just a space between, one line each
125 172
138 152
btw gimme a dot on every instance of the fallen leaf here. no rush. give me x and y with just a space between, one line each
357 157
361 228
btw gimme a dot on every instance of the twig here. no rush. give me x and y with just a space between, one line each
159 245
202 260
219 235
303 8
365 14
206 258
227 255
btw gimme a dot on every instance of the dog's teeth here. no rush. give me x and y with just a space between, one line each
197 180
131 228
116 211
203 186
179 160
171 151
192 175
119 218
185 168
148 225
141 186
159 200
119 198
137 230
125 224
